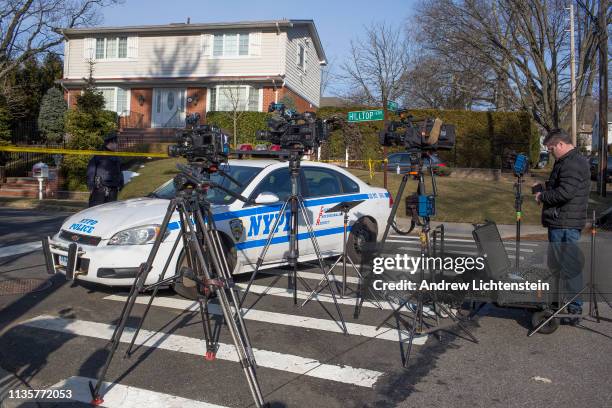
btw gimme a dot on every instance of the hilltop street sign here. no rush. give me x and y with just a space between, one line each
366 116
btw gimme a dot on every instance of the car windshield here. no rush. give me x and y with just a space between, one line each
242 174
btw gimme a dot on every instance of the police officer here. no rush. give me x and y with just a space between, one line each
104 176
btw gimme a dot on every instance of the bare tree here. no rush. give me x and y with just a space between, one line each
522 42
31 27
235 103
376 65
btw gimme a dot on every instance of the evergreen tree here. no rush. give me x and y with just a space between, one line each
51 117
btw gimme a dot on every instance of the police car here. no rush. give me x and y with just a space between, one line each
112 240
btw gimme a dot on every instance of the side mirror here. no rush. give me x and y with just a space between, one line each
267 198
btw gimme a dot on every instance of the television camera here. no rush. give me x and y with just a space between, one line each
292 130
425 134
203 144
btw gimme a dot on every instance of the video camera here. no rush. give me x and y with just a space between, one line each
292 130
205 144
430 134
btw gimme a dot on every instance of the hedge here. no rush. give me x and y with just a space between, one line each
483 138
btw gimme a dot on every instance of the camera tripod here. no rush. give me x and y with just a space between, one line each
295 201
425 209
207 266
344 207
591 287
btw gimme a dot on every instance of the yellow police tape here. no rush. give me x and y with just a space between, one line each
79 152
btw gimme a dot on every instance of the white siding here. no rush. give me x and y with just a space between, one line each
307 84
177 56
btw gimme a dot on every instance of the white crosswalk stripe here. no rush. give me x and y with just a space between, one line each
118 395
20 249
278 318
279 361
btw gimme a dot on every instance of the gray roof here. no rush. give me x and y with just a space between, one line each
199 27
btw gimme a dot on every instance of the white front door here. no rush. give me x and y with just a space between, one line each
169 107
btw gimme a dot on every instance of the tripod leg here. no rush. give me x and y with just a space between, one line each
315 245
396 204
139 282
236 331
153 295
542 324
262 256
211 350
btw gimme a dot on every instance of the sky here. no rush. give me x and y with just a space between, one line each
337 21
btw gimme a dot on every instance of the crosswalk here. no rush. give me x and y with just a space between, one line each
333 356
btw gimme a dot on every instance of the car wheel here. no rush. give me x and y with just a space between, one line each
187 287
362 240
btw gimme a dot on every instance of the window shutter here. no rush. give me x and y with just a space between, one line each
206 43
88 48
132 46
305 59
297 55
255 44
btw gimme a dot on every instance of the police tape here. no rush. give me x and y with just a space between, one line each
47 150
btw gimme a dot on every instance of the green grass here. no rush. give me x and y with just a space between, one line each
459 200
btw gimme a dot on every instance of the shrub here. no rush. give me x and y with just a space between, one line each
86 126
52 115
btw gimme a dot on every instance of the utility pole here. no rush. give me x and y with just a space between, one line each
603 97
573 75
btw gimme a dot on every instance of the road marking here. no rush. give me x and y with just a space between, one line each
473 245
288 293
277 318
118 395
414 238
20 249
335 277
270 359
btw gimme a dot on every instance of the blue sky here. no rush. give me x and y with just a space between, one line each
337 21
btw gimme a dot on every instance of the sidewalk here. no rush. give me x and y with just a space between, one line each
458 229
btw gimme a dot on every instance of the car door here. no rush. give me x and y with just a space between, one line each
325 188
261 218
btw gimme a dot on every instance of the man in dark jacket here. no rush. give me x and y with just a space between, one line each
104 176
564 213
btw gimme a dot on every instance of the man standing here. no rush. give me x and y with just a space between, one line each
564 213
104 176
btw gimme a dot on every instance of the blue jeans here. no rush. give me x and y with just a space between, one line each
565 260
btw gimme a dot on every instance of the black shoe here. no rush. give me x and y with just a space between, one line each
574 321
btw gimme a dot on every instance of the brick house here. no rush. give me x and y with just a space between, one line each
153 76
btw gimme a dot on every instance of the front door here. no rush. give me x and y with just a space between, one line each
169 107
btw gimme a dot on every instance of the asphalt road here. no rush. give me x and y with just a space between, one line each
58 335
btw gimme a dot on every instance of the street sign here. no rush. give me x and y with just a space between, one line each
365 116
392 106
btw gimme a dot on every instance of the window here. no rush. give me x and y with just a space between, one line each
236 97
322 182
231 45
116 99
242 174
277 182
300 56
109 48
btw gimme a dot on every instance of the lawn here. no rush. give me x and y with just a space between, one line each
459 200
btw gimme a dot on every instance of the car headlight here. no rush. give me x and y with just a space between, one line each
145 234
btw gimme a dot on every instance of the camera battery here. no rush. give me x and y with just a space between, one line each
426 206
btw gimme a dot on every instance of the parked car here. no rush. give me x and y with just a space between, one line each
402 161
594 166
115 238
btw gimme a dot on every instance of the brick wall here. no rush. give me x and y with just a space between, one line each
301 104
198 103
142 116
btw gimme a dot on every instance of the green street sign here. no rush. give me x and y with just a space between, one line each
392 106
365 116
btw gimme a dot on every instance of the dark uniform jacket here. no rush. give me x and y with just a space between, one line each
108 171
566 196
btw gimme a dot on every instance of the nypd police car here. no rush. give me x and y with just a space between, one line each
106 244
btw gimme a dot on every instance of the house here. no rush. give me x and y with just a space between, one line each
153 76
